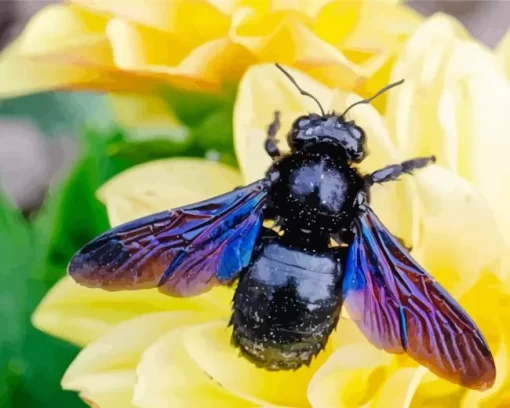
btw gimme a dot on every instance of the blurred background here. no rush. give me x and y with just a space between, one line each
33 154
46 159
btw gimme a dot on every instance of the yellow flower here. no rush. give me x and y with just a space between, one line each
503 54
144 349
140 45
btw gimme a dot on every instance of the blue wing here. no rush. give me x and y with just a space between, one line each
400 308
184 251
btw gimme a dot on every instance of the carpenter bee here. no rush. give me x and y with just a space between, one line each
293 284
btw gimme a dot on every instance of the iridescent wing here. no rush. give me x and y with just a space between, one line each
400 308
184 251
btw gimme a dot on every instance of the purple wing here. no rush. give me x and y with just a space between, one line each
400 308
184 251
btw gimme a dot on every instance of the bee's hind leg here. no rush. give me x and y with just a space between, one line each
271 143
394 171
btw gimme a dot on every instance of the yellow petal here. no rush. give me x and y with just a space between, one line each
426 401
443 107
80 315
165 184
398 389
142 110
104 372
306 8
398 207
375 41
346 333
138 48
168 376
454 217
433 387
198 45
69 30
326 24
378 73
293 43
381 26
107 390
454 104
208 61
305 35
63 47
197 20
209 346
413 108
21 75
122 346
476 100
349 377
503 54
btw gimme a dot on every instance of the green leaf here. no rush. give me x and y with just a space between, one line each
15 241
35 257
26 381
146 143
191 108
57 112
215 131
72 215
210 119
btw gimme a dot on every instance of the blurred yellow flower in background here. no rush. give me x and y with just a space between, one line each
139 45
144 349
137 49
503 54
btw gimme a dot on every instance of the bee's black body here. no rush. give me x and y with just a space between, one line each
288 299
292 282
315 189
287 303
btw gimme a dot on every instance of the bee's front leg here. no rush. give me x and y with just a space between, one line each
271 142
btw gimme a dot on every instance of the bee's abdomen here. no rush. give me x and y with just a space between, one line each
286 306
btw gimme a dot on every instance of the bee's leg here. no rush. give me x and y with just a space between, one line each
394 171
270 143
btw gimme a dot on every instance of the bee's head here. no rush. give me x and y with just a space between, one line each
331 128
312 129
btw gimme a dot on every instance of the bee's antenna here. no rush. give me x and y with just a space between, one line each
363 101
301 91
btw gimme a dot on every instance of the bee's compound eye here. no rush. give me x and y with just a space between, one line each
356 132
304 122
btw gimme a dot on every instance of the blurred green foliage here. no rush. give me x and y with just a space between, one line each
34 256
58 112
34 253
209 118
